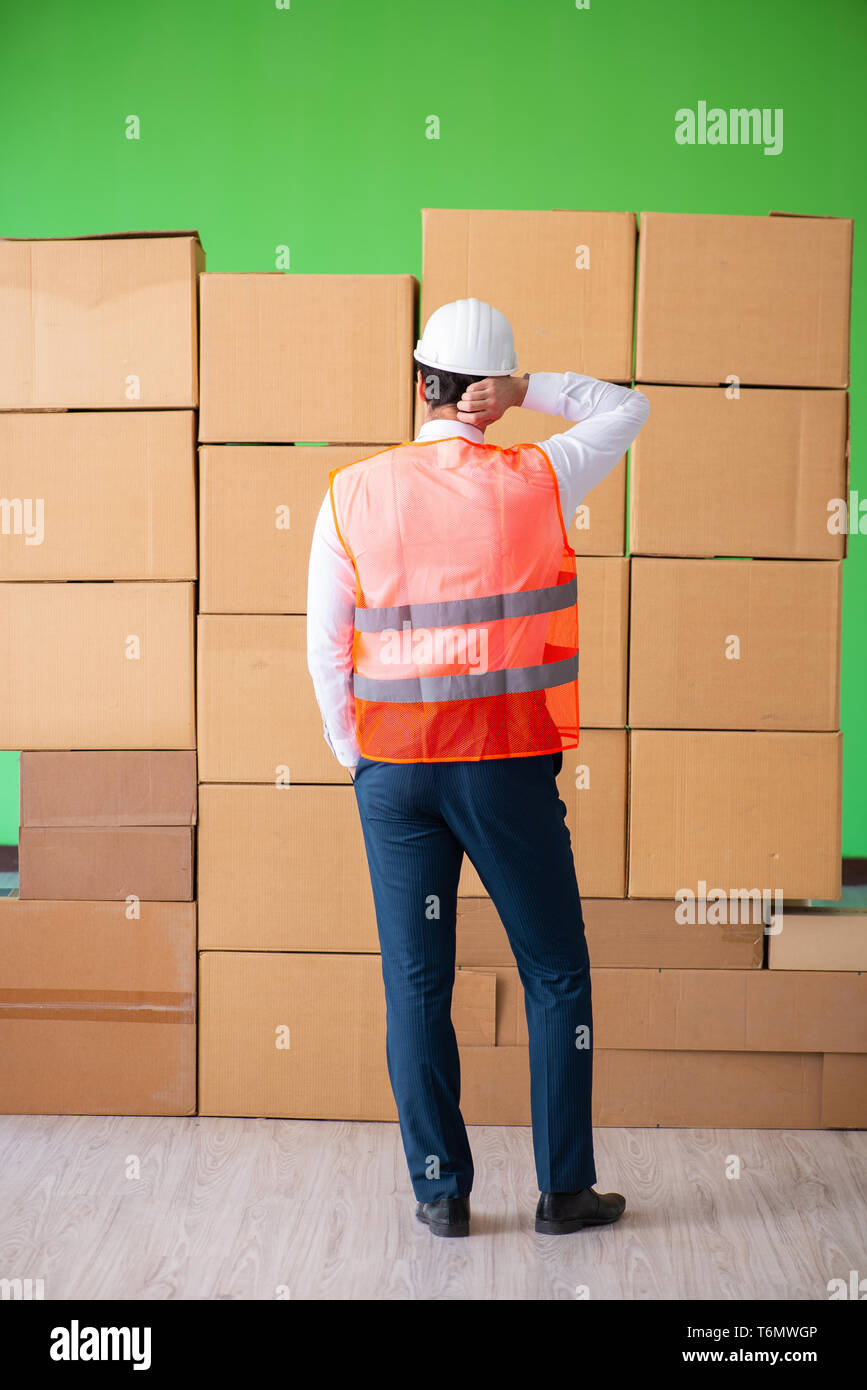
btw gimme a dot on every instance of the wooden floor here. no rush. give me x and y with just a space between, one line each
264 1209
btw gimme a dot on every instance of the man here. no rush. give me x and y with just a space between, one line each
443 647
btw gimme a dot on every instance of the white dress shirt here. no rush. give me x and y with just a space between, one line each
609 417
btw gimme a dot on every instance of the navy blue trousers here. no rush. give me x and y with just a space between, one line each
418 820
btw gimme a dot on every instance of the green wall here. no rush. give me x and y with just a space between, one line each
305 126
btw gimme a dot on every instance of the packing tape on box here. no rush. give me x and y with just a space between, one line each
98 1005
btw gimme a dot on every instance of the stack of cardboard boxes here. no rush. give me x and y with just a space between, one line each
98 389
829 940
689 1029
706 787
292 1005
566 281
742 346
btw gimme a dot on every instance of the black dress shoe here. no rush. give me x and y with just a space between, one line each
558 1213
448 1217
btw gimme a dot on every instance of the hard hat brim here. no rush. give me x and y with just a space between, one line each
463 370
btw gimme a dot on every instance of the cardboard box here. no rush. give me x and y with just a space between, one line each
258 663
563 278
603 623
592 785
98 495
273 1042
752 475
735 644
495 1086
309 358
97 1008
257 711
707 1090
284 1033
599 525
481 939
303 1035
703 1010
108 788
844 1091
670 1090
96 666
99 323
819 939
630 932
258 508
764 299
283 869
508 1013
734 811
99 863
730 1010
476 1008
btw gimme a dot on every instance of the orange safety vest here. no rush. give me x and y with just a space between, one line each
466 621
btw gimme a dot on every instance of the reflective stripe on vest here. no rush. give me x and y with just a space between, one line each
465 640
466 687
469 610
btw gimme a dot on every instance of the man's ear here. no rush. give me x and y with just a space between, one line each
420 386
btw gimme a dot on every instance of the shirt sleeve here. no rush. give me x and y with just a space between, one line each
330 627
608 419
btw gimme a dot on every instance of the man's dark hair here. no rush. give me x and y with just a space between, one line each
442 387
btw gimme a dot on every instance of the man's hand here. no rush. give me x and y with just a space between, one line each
485 401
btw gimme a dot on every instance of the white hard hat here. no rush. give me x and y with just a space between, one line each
469 337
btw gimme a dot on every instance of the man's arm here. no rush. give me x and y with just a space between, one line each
608 418
330 627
